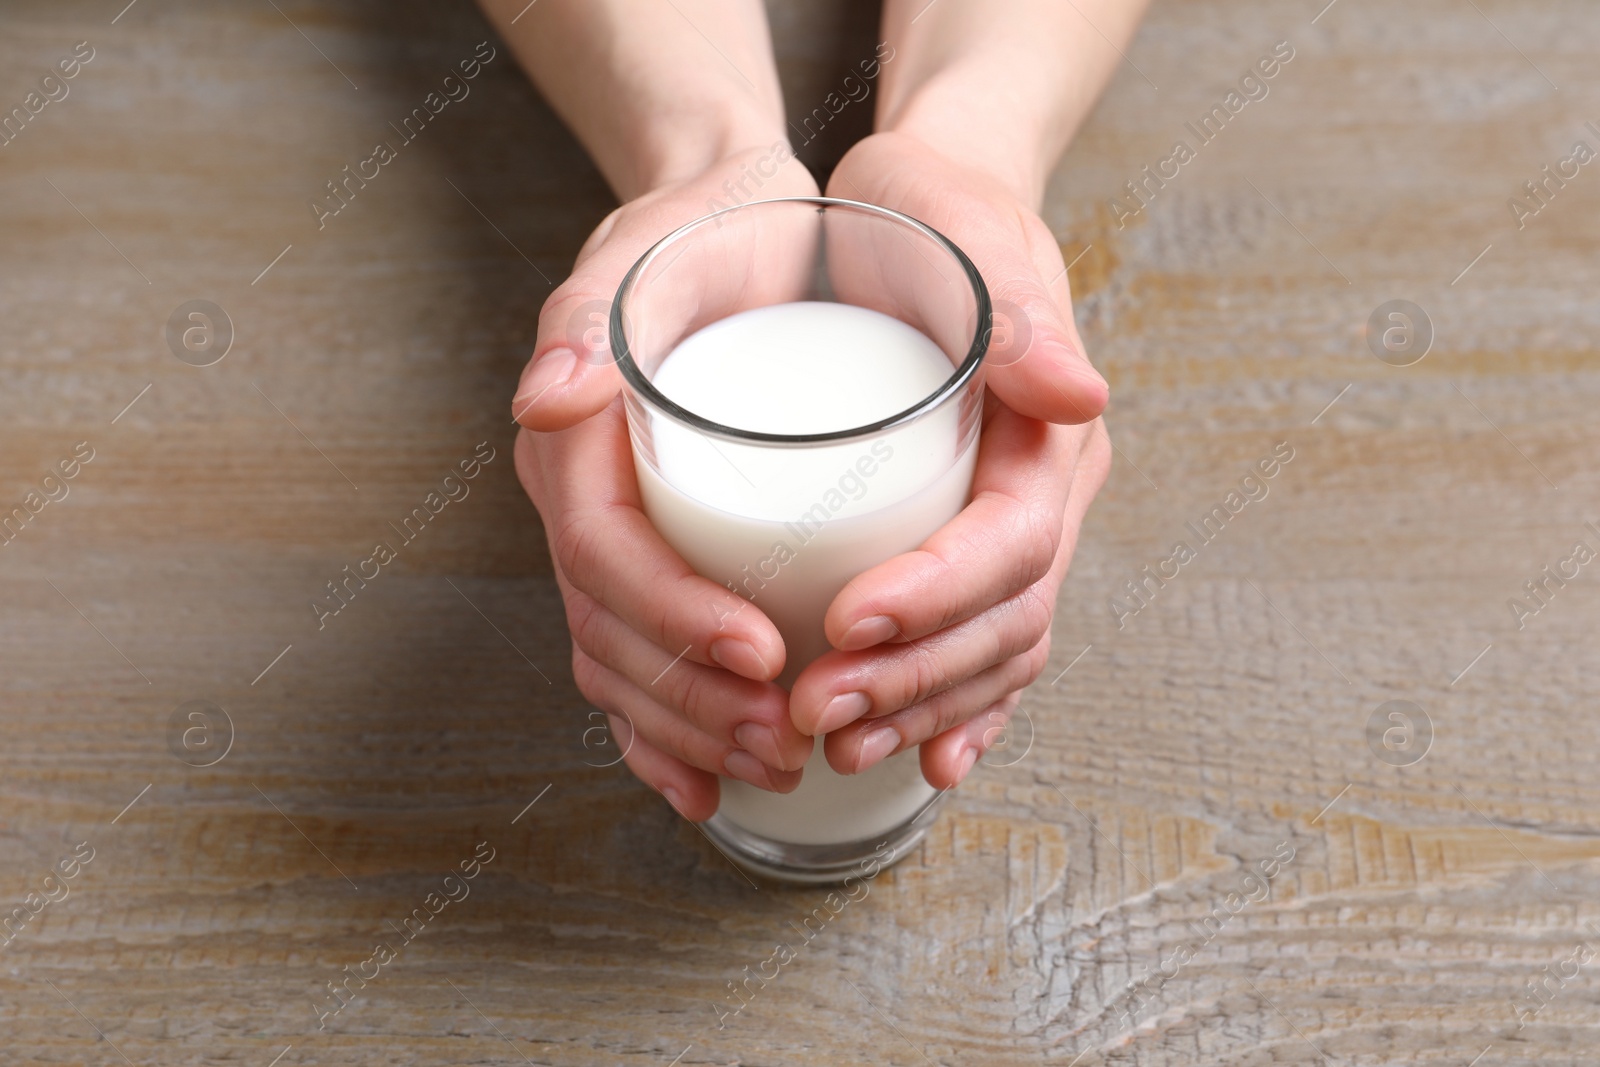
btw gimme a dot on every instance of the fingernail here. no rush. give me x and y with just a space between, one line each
674 798
877 745
1088 374
842 710
745 767
760 739
868 632
553 368
740 657
968 758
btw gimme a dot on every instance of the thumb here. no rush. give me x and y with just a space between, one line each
571 375
1036 362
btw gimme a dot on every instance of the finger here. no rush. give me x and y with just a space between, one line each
604 545
671 733
693 793
752 716
947 758
841 687
572 375
868 742
1036 362
742 264
1002 542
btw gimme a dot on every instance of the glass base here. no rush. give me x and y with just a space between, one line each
819 864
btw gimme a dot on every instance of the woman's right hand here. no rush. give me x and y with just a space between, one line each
683 667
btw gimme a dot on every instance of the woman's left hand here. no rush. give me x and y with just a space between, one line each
933 647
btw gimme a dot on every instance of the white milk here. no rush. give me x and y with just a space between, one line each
788 527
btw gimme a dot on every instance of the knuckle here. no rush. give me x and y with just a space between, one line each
1039 536
922 675
556 311
585 620
575 543
943 573
1032 662
1036 606
680 739
686 693
950 711
587 674
660 617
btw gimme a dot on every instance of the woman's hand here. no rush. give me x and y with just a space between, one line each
682 666
977 101
678 103
928 642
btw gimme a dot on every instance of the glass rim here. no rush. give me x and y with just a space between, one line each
959 376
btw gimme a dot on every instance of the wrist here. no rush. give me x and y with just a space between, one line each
950 116
671 151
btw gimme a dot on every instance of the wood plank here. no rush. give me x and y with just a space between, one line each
1226 719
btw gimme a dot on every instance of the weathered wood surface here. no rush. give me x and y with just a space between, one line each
1173 757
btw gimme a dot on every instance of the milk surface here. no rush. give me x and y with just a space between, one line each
788 527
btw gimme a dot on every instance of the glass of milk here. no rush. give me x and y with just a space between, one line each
804 388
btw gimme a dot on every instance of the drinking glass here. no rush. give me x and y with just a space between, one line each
838 483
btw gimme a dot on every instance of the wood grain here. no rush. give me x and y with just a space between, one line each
1229 716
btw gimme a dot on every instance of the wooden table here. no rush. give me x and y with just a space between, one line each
1441 861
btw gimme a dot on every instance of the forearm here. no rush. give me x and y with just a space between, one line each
1001 85
656 90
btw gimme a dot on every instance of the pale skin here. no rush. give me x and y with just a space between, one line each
931 648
